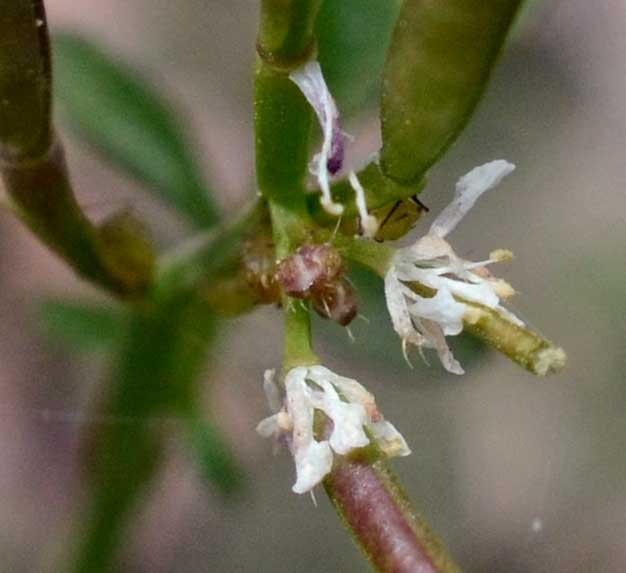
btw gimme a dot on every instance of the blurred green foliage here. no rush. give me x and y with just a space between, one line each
131 124
353 37
438 66
84 326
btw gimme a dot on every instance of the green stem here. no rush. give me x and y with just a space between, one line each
290 229
283 120
517 342
25 81
156 375
298 350
46 204
206 255
282 127
33 168
388 532
374 256
286 31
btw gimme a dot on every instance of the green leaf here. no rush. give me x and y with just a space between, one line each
353 37
84 326
215 461
155 378
122 116
438 66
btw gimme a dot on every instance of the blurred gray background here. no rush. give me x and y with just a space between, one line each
516 474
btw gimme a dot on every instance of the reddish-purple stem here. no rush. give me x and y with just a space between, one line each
389 531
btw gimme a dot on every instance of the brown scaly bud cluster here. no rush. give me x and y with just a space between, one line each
337 303
308 270
316 272
259 268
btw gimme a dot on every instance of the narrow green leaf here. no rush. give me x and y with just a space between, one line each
439 62
353 37
123 117
215 461
155 378
84 326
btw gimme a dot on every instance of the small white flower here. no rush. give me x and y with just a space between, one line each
329 160
425 322
347 404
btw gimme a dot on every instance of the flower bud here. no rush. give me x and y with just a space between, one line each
259 267
308 270
337 302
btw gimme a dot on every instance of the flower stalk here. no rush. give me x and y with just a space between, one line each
373 505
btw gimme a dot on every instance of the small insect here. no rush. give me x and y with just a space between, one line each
398 219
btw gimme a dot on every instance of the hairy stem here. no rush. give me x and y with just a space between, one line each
298 342
522 345
391 534
518 342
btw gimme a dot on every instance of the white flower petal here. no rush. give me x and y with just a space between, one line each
313 459
433 332
481 292
345 402
313 463
468 189
299 408
389 440
353 392
348 419
268 427
310 80
272 392
442 309
399 311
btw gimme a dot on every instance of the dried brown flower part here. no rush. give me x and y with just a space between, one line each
337 302
259 268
